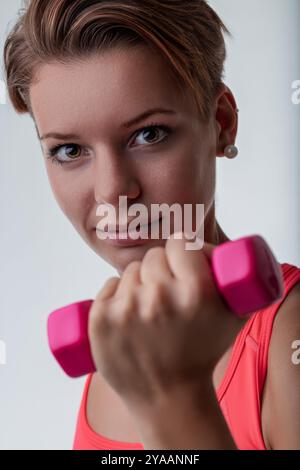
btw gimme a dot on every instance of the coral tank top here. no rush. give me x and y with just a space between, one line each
239 394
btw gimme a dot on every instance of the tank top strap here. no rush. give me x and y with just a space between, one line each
240 393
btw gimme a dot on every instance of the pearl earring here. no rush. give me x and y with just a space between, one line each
231 151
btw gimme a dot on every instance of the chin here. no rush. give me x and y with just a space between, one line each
124 256
119 257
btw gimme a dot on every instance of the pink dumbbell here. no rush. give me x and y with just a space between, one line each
246 274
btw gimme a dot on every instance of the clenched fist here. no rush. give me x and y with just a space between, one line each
163 324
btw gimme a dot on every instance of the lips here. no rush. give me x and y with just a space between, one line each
125 229
112 230
126 238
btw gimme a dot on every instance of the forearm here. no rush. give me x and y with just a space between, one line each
186 420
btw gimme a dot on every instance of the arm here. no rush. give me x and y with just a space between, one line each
186 420
283 395
199 424
153 338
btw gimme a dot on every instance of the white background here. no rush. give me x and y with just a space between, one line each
44 262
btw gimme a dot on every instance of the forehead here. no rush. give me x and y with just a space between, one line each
101 90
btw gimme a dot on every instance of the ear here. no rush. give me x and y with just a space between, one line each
226 119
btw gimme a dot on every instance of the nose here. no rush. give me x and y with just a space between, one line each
113 177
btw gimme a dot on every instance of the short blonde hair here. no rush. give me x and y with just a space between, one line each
188 35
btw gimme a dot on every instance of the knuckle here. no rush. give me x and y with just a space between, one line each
175 239
195 288
97 316
112 280
123 311
157 292
152 252
153 301
107 289
132 267
191 296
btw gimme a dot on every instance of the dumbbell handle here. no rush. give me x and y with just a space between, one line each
246 275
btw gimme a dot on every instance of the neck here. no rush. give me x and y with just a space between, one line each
220 236
212 231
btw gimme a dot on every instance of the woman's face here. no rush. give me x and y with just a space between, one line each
89 102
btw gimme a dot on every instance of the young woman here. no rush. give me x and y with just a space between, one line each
128 99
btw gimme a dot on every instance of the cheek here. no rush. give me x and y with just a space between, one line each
195 173
184 176
70 196
172 175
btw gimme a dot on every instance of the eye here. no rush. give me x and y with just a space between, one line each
152 133
67 153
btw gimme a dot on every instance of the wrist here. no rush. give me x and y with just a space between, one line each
185 418
190 395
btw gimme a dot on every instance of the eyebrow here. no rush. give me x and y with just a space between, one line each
126 125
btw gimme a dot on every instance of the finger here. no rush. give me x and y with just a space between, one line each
109 288
188 264
155 266
130 279
96 313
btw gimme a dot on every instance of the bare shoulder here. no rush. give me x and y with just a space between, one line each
283 378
